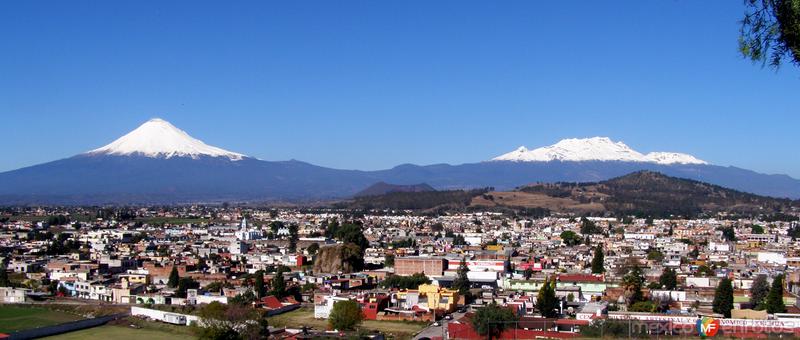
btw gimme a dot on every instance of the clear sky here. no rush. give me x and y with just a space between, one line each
373 84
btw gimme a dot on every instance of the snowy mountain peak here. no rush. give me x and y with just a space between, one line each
159 138
673 158
594 149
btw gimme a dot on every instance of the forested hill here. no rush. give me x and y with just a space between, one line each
647 193
642 193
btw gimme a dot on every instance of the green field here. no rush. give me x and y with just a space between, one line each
305 317
131 328
121 333
16 318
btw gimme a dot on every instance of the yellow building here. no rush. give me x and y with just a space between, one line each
134 278
431 297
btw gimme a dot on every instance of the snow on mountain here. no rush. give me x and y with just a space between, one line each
158 138
673 158
594 149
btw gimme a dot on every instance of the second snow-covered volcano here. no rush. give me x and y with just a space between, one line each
594 149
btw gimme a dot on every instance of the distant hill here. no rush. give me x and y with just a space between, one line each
642 193
383 188
418 200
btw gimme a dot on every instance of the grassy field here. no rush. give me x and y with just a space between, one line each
131 328
15 318
120 333
305 317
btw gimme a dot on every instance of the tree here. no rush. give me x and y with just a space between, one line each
461 283
4 281
345 315
261 290
243 299
313 249
184 284
655 255
546 300
598 261
492 319
278 285
352 233
570 238
770 32
757 229
643 306
728 234
774 301
633 283
588 227
388 261
275 226
232 321
174 278
723 298
668 279
759 291
405 282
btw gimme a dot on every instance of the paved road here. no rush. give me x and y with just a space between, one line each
437 331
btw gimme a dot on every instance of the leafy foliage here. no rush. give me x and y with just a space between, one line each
774 301
258 285
668 279
770 32
643 306
728 233
492 319
759 291
546 300
405 282
570 238
598 261
633 283
589 227
461 283
174 277
184 284
345 315
231 321
723 298
278 285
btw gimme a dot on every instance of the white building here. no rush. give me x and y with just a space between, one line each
322 309
246 234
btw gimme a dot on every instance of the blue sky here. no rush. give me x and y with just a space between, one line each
373 84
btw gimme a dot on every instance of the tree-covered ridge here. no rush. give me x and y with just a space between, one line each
647 193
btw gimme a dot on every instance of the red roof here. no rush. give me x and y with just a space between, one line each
580 278
572 322
465 331
271 302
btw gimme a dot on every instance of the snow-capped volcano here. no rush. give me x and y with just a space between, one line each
673 158
594 149
158 138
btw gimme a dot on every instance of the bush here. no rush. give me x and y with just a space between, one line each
346 315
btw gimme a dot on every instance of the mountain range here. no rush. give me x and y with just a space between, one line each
158 163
